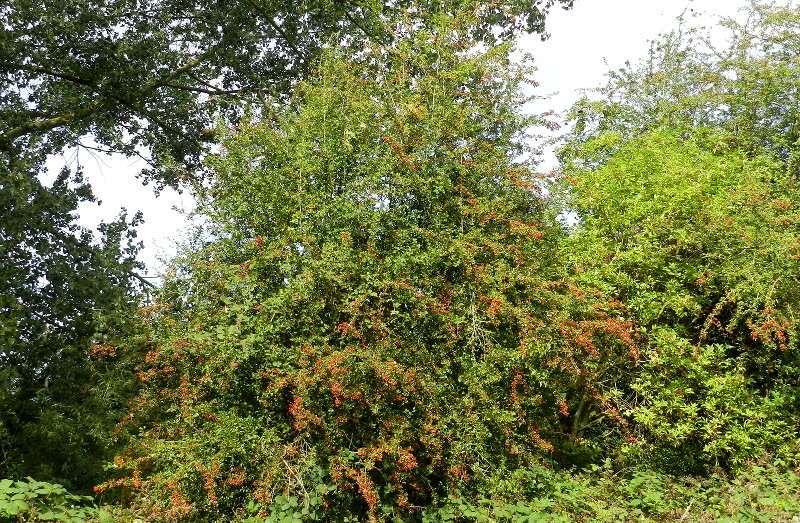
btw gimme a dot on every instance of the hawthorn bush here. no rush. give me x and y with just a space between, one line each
380 320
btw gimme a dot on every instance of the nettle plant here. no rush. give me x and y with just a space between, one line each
380 320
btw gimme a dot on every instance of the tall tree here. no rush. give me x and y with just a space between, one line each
60 288
381 321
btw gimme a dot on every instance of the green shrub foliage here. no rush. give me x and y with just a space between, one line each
684 180
699 240
379 320
31 500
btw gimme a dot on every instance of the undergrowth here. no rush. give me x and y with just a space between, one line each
764 491
767 490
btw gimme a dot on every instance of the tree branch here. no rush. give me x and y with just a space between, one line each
363 29
38 125
191 64
142 280
269 19
51 72
212 90
7 139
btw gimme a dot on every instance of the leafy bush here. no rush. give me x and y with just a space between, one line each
31 500
699 400
380 309
698 240
683 175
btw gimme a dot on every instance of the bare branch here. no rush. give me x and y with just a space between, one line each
143 280
212 91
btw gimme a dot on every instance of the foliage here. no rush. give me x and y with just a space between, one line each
699 241
380 310
762 491
31 500
685 189
146 77
61 289
384 321
141 78
748 88
289 509
759 492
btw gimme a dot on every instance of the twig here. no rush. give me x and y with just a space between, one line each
686 512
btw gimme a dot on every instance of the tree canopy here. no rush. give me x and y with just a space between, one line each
149 78
61 289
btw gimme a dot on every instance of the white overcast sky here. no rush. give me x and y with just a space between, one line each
574 57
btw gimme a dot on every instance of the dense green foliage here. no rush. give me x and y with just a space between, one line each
147 77
31 500
61 290
388 314
140 78
684 179
699 240
602 493
381 313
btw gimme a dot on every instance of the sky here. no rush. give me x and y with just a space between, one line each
587 41
594 32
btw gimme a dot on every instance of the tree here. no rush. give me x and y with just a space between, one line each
748 88
148 78
684 181
380 321
141 78
61 288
